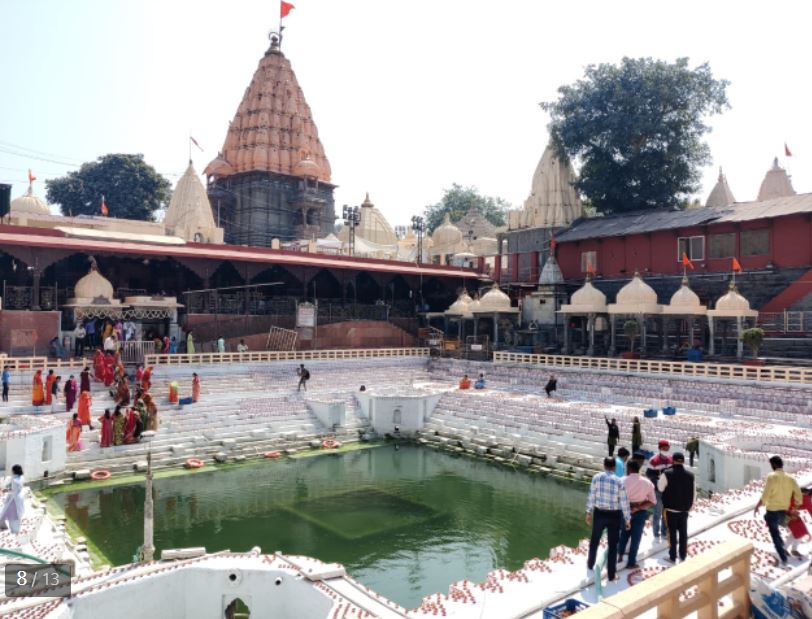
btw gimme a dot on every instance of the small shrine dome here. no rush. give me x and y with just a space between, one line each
93 285
685 302
462 306
636 297
551 273
495 301
732 305
307 168
586 300
447 234
29 204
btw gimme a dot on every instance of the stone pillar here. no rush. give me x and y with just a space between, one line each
664 333
36 274
641 320
691 331
739 343
591 327
495 329
612 347
712 344
566 334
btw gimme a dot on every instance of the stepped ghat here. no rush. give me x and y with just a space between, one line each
250 407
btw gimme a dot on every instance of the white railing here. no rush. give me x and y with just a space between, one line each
41 363
265 356
721 576
730 371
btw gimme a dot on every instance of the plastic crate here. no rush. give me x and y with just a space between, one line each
650 413
669 410
565 609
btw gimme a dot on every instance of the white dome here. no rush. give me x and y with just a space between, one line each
636 298
636 292
684 301
462 306
495 301
733 302
93 285
447 234
586 300
29 204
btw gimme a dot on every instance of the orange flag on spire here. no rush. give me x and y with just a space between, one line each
104 210
553 243
285 8
686 262
590 269
31 177
737 268
787 151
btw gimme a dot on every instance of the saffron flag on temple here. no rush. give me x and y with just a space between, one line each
31 177
195 143
737 268
589 268
104 210
686 262
553 244
787 151
285 8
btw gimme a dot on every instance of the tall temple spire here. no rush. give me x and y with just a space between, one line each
776 183
720 195
553 200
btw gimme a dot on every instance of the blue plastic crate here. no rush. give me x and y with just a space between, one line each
650 413
669 410
570 606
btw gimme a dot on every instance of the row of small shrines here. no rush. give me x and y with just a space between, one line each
636 300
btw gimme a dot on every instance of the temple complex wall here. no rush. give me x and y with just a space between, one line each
27 333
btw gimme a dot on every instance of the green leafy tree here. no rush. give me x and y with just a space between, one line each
637 130
132 188
458 200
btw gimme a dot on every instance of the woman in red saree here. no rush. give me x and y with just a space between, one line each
109 369
165 349
106 434
83 412
123 391
49 386
98 364
146 377
73 433
152 412
131 433
70 393
37 394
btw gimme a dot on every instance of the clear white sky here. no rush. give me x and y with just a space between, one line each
408 96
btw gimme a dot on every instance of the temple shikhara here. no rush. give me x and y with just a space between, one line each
272 178
258 405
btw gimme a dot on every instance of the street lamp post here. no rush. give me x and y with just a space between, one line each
352 218
419 227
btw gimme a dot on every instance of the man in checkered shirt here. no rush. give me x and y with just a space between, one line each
606 508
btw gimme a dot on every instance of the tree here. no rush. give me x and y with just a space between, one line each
458 200
637 130
632 329
753 338
132 189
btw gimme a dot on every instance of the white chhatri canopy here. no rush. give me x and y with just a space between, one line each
684 302
635 298
731 305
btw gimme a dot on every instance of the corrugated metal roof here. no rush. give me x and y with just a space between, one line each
641 222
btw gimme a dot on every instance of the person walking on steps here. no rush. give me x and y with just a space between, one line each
641 497
637 435
304 376
6 383
656 465
779 491
607 507
613 435
552 385
678 488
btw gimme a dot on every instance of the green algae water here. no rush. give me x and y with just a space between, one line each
405 522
